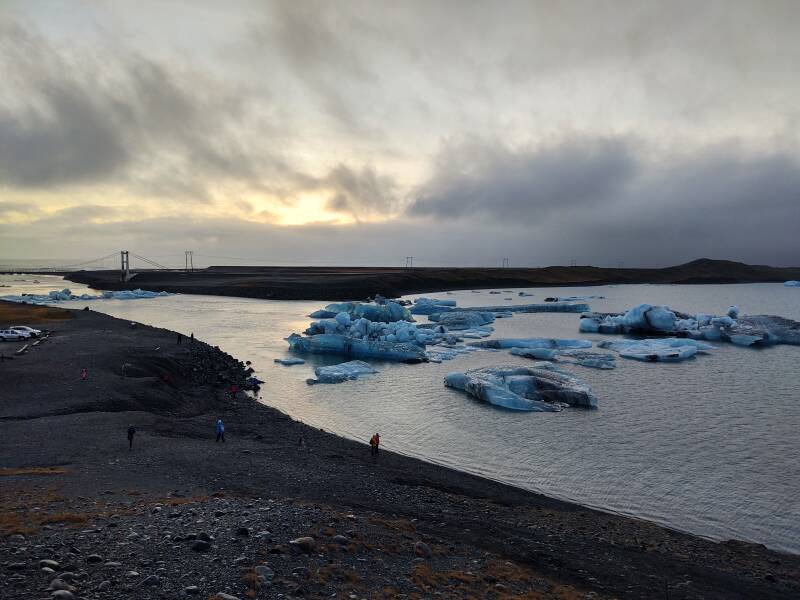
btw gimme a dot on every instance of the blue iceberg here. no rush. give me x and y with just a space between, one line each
341 372
532 343
657 350
523 388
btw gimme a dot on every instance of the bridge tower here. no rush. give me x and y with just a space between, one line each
125 270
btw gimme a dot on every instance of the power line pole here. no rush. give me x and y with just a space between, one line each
506 263
409 262
189 260
573 262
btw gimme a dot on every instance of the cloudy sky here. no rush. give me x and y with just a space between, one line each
362 132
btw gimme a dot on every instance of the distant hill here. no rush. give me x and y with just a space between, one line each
339 283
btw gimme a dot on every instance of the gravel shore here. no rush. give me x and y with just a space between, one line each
264 516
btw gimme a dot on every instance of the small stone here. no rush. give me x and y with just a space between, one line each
303 544
242 532
94 558
423 550
241 560
264 571
104 585
342 540
62 595
150 580
203 536
201 546
17 538
68 576
48 563
113 564
132 574
192 590
60 584
47 570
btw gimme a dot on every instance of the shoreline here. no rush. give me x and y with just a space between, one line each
567 544
347 283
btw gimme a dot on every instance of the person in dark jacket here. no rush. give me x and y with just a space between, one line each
131 433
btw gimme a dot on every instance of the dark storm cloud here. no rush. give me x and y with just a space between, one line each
360 193
606 198
77 117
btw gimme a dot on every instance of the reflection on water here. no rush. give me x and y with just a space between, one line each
709 446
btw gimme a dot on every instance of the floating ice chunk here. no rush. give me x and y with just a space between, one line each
733 312
524 294
535 353
791 283
657 350
341 372
592 360
458 320
288 362
533 308
533 343
66 295
323 314
343 319
436 301
572 298
357 348
523 388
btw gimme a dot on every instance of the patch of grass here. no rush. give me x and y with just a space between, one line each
16 312
10 472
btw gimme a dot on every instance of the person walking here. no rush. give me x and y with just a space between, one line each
374 443
84 374
131 433
220 429
180 339
191 338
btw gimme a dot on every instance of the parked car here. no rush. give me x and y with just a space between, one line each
25 329
9 335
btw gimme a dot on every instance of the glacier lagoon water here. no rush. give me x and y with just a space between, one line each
710 446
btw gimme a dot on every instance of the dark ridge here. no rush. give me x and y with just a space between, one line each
342 283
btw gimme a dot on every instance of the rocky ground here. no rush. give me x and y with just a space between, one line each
181 515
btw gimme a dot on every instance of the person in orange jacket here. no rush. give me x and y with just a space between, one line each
374 442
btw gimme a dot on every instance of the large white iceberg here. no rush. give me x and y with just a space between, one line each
341 372
532 343
657 350
523 388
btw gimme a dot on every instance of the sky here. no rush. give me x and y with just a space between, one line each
349 132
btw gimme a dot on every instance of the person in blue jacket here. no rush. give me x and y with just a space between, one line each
220 429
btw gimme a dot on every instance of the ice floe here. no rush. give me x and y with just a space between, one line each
458 320
328 343
791 283
743 330
537 389
532 343
288 362
594 360
572 298
66 294
341 372
657 350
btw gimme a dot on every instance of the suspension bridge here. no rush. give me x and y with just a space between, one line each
128 263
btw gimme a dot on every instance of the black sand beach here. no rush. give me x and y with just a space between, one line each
129 523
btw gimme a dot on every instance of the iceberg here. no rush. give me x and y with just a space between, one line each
524 294
523 388
657 350
288 362
743 330
595 360
533 343
532 308
791 283
341 372
385 312
66 295
331 343
572 298
458 320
